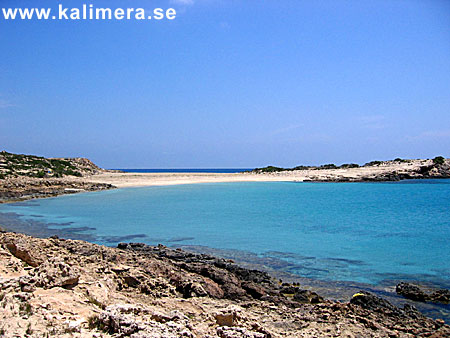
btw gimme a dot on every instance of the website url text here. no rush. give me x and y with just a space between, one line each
87 12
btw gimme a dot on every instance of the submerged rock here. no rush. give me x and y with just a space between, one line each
412 292
440 296
415 293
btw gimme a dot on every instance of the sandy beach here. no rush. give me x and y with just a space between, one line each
79 174
123 180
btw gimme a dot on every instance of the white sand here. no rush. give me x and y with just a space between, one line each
122 180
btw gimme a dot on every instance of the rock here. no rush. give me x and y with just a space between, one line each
288 289
306 296
228 316
122 320
212 288
371 302
410 291
131 281
440 296
411 311
238 332
115 320
24 251
161 317
191 289
74 326
226 319
414 292
53 273
122 246
255 290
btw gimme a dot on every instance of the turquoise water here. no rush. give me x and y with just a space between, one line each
361 232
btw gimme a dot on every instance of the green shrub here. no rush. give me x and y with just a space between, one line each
438 160
401 160
373 163
25 309
328 166
269 169
349 165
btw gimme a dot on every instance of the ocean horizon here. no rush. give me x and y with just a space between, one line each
187 170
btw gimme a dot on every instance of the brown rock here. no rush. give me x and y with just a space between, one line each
23 251
225 319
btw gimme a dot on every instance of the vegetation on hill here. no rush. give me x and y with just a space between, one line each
270 169
439 160
14 165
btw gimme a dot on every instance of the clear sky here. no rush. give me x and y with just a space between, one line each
230 83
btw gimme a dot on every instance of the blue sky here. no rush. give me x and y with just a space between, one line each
230 83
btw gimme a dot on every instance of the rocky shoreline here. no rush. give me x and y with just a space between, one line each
69 288
25 188
24 177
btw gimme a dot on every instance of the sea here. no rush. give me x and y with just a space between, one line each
207 170
371 235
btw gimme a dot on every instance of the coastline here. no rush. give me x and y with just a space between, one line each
386 171
19 188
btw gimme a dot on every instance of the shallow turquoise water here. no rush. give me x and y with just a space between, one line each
362 232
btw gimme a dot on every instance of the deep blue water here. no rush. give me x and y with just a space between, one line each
224 170
361 232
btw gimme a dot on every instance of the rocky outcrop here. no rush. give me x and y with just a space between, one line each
414 292
52 273
22 250
205 275
27 176
79 289
22 188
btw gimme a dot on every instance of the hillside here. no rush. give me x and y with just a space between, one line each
15 165
28 176
436 162
394 170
